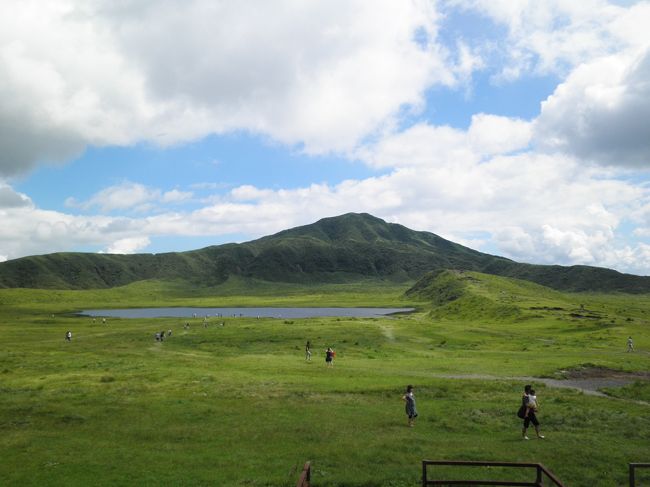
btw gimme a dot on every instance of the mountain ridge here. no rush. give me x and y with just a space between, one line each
336 249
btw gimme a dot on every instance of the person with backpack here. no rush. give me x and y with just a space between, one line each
527 412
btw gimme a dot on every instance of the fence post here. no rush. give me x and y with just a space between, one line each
538 480
305 476
424 474
632 479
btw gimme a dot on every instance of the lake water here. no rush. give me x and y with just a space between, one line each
244 312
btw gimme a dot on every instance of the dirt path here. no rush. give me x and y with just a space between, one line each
588 385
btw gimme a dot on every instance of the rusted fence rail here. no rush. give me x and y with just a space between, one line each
305 476
633 467
541 473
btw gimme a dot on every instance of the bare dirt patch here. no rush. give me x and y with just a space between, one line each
587 378
590 371
591 378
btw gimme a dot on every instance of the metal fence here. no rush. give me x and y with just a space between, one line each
541 474
540 471
633 467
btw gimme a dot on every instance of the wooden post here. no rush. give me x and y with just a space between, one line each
305 476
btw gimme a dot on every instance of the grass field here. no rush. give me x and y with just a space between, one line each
238 405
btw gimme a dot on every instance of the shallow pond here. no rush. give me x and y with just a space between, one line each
244 312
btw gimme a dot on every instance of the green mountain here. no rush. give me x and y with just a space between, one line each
346 248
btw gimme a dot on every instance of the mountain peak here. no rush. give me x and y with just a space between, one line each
344 248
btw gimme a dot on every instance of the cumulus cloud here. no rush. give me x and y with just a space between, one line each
12 199
176 196
129 196
332 76
428 145
491 134
128 245
601 112
323 75
556 35
531 207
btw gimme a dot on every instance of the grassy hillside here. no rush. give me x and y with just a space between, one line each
454 294
348 248
238 405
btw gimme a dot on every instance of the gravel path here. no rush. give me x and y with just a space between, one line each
589 385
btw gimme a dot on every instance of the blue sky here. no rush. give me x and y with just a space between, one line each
516 128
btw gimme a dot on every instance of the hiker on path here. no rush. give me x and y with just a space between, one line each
528 414
411 411
630 344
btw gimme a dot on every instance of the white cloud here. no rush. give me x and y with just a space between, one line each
491 134
530 207
12 199
601 112
176 196
129 196
248 193
556 35
128 245
327 77
322 74
427 145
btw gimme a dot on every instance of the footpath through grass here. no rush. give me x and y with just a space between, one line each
239 405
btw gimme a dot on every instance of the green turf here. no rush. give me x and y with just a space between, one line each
238 405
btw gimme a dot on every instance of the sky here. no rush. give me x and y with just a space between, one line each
518 128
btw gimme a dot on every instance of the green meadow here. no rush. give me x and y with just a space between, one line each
239 405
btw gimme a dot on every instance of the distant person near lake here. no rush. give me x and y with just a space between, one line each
68 336
411 411
630 344
329 357
308 351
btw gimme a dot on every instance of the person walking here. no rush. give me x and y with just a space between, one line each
329 357
529 414
308 351
68 336
630 344
411 411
